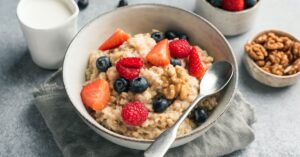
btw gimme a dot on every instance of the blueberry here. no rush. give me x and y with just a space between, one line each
122 3
138 85
82 4
175 61
199 115
250 3
157 36
183 36
160 105
216 3
171 35
121 85
103 63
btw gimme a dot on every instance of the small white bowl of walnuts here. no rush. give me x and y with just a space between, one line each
273 58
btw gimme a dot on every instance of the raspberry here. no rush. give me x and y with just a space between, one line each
129 68
179 48
134 113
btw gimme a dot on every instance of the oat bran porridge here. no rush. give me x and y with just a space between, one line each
139 85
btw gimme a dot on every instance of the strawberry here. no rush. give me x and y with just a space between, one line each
134 113
160 54
96 94
233 5
196 67
129 68
179 48
115 40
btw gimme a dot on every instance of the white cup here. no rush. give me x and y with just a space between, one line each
48 42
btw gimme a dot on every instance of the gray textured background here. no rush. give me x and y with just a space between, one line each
24 133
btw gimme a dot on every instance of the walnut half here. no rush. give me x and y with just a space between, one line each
175 83
256 51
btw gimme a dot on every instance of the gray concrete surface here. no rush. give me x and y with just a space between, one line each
24 133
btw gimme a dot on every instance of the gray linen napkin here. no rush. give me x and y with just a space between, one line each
75 139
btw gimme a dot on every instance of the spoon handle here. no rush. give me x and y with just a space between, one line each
161 144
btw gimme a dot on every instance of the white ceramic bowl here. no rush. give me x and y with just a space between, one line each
267 78
137 19
228 22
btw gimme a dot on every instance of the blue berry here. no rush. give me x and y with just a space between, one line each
199 115
216 3
160 105
82 4
183 36
175 61
250 3
122 3
138 85
157 36
121 85
103 63
171 35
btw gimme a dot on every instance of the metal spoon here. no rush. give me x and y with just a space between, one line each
214 80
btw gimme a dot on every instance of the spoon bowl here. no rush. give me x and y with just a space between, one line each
214 80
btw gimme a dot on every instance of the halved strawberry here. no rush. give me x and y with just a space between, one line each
96 94
160 54
114 40
196 67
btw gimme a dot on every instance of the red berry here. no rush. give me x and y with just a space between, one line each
129 68
132 62
196 67
134 113
96 95
233 5
179 48
115 40
160 54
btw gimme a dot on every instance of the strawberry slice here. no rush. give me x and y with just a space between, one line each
129 67
96 94
160 54
115 40
196 67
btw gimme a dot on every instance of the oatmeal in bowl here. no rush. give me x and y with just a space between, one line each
139 85
131 80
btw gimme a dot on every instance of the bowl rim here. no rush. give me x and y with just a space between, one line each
260 69
234 12
148 141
